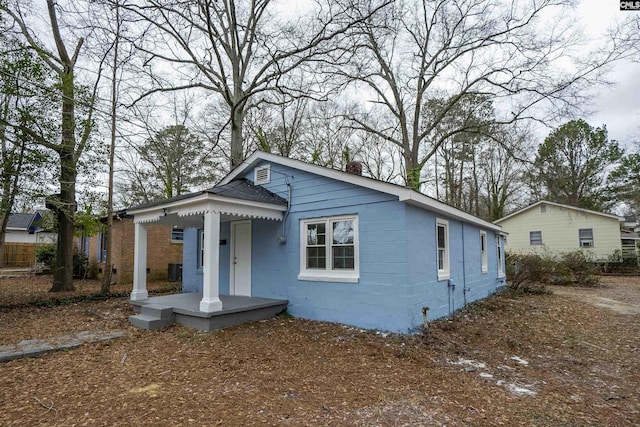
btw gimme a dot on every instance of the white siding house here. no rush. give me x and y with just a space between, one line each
555 228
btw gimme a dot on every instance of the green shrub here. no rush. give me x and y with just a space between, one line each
530 273
582 267
79 266
46 254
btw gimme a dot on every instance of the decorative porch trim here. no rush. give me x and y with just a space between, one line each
204 203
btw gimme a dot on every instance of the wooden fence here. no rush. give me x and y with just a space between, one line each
19 254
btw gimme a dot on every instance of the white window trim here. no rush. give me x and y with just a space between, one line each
484 255
593 240
328 275
177 240
266 180
445 273
536 244
500 256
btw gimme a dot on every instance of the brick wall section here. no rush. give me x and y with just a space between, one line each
161 251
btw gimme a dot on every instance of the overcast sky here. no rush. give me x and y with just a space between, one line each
619 106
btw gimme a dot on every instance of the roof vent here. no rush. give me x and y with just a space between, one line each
262 175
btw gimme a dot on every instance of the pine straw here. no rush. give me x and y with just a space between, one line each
583 365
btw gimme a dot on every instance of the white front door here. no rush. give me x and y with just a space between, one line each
240 258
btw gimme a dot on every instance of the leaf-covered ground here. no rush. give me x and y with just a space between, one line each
563 359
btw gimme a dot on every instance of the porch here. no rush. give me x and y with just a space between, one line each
201 215
184 309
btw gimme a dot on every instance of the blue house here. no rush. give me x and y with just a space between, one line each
329 245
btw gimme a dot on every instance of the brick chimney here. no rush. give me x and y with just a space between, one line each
354 168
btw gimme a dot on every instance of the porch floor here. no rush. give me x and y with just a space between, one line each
183 309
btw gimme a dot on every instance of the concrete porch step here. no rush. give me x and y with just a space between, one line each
153 316
157 310
145 321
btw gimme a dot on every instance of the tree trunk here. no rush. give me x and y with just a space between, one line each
413 170
66 204
237 154
5 220
108 263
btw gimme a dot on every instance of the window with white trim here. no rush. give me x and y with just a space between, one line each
329 249
535 237
499 248
177 234
585 235
442 246
262 175
483 251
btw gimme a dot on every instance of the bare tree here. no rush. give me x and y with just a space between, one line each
278 126
74 136
171 160
240 50
509 50
503 170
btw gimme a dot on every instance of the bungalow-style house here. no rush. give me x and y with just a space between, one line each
327 245
164 250
556 228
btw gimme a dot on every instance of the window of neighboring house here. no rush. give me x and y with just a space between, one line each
329 249
200 249
483 251
442 243
586 237
543 208
499 246
102 250
177 234
535 237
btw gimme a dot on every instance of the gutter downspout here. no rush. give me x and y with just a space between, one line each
283 238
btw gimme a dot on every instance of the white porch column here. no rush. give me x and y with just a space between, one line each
211 265
140 263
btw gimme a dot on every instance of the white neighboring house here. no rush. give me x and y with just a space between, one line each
548 227
24 228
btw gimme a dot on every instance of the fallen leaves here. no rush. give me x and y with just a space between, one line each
583 363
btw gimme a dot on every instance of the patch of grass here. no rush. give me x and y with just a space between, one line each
285 315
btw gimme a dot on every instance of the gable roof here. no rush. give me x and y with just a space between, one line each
404 194
241 189
21 221
560 205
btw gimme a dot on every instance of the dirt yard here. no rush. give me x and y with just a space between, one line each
571 358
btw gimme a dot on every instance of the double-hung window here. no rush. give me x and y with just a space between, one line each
329 249
585 236
483 251
535 237
499 255
177 234
442 244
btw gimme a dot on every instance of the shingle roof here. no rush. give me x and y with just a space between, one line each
20 221
241 189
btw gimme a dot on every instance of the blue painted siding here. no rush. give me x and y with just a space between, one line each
378 300
269 266
191 272
397 250
467 283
